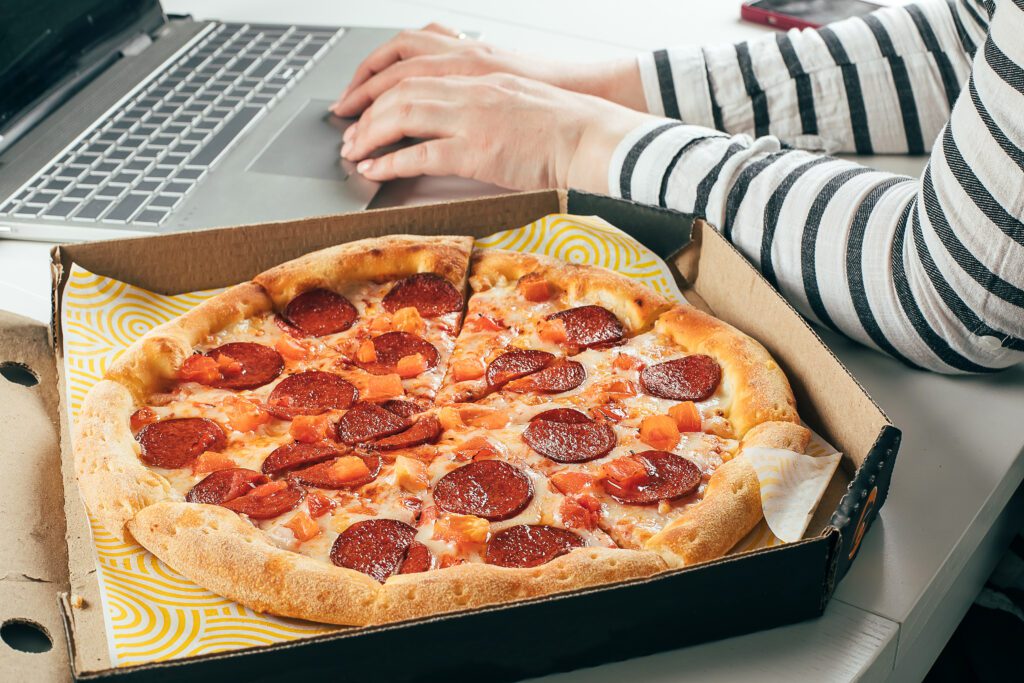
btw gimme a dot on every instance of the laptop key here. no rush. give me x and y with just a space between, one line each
150 217
126 208
165 201
192 174
264 68
219 143
61 209
78 192
94 209
111 191
177 187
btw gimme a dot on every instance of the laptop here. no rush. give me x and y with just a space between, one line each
118 120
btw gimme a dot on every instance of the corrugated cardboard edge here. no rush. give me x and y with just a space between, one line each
262 245
33 556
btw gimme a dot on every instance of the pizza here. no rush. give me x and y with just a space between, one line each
405 426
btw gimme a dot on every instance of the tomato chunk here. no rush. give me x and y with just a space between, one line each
303 527
687 416
568 481
659 432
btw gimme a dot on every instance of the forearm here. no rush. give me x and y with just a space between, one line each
881 85
877 257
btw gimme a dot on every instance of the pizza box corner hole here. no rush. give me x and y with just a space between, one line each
18 373
25 635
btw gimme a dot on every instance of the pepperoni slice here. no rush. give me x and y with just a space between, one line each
259 364
690 378
325 476
669 476
310 393
424 430
588 326
376 547
568 415
428 293
417 560
224 485
515 364
492 489
258 505
320 311
530 545
177 442
560 376
368 421
297 454
404 408
570 442
393 346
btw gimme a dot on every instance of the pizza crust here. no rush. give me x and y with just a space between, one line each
219 550
634 303
468 586
114 483
758 386
375 259
152 362
731 506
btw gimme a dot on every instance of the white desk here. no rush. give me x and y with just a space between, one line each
951 509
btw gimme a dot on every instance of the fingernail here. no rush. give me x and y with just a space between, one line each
345 149
349 133
365 165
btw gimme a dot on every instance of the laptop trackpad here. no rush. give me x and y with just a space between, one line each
308 146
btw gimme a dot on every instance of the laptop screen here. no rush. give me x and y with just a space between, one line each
45 42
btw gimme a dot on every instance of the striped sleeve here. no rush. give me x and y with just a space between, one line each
884 84
929 270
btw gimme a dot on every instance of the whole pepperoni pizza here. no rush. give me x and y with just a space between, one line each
404 426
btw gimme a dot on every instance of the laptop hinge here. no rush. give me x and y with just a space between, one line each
136 44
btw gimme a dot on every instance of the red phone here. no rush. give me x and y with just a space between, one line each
787 14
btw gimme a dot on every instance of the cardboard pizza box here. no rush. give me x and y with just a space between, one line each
48 573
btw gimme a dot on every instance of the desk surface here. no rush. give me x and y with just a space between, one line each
949 513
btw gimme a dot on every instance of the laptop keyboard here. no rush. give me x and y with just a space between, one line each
139 163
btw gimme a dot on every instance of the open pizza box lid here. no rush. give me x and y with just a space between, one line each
48 566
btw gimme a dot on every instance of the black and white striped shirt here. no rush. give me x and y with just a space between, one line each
929 270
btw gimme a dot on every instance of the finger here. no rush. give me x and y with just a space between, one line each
434 27
406 119
405 45
433 157
358 98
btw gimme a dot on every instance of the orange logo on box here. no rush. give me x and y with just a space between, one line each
862 526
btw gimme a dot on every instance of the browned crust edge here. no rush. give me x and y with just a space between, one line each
152 362
758 386
375 259
636 304
114 483
222 552
219 550
731 506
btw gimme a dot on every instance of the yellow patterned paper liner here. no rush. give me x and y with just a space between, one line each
151 612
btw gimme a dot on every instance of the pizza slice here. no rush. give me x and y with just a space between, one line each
530 315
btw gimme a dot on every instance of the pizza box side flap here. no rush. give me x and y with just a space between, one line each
189 261
33 553
708 612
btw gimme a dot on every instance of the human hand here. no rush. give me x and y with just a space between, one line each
439 51
501 129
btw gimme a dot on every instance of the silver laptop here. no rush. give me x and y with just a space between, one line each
116 119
